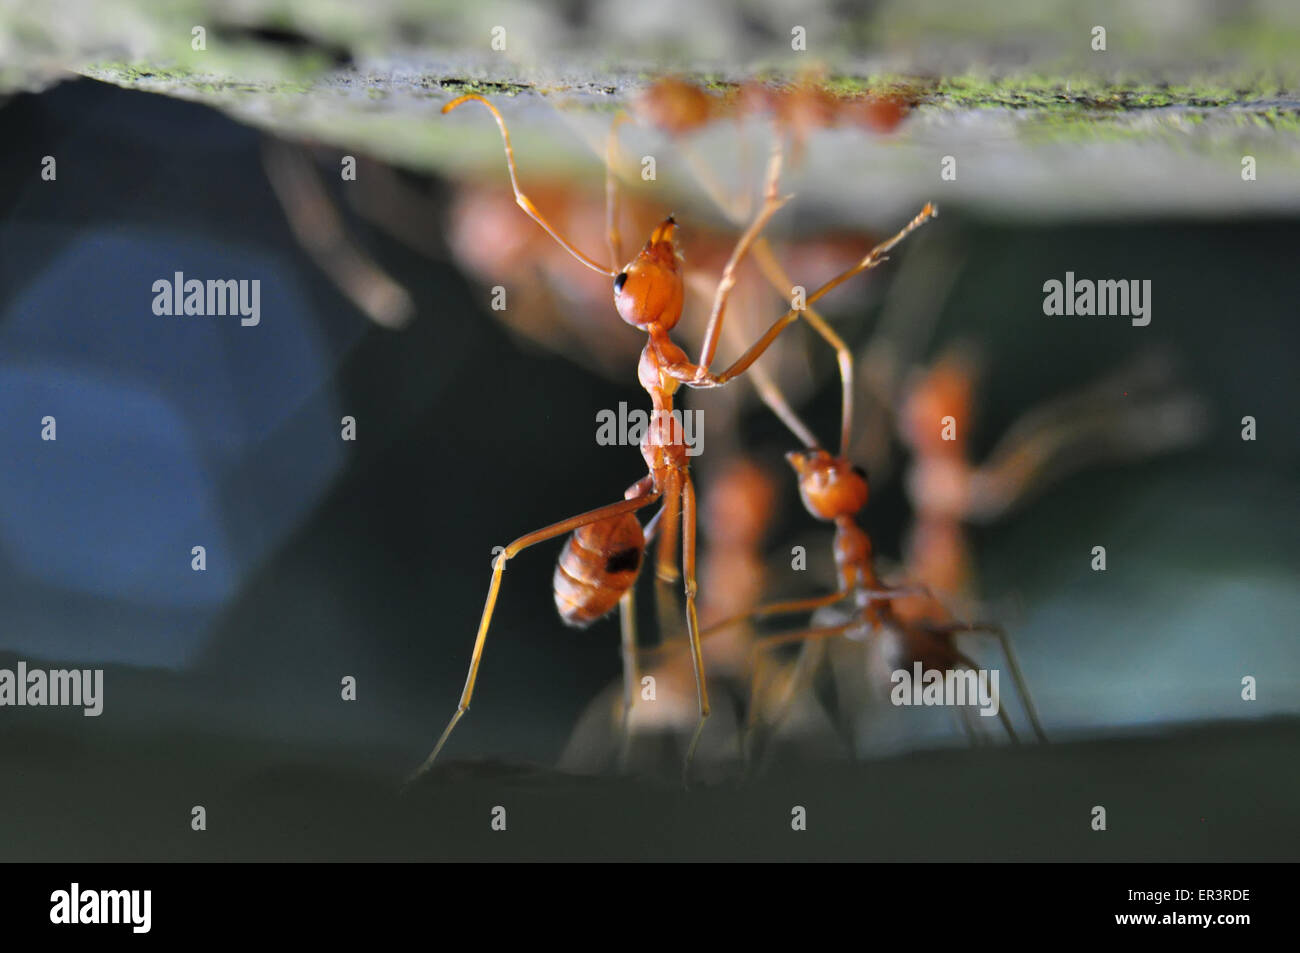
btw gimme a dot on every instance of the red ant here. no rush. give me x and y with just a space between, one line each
602 558
834 490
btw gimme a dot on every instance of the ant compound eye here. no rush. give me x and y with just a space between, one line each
860 472
620 281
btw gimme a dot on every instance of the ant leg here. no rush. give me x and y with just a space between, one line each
815 602
522 200
667 609
778 279
1039 450
761 652
767 389
795 605
692 620
810 657
1026 699
757 670
1016 674
1139 379
997 700
318 227
873 258
778 608
805 635
775 608
499 567
772 202
911 308
615 237
669 526
711 187
770 394
631 672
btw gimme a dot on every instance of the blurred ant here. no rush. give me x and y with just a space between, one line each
602 558
681 108
949 491
677 106
806 106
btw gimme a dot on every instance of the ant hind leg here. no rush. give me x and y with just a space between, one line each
494 588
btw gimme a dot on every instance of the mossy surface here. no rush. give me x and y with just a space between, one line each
1048 108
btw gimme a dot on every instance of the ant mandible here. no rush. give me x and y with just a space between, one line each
602 558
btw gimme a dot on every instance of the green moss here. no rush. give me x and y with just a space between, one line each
1045 92
1220 113
849 87
138 72
181 80
463 87
1031 91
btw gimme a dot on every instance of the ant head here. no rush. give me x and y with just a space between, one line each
649 290
831 487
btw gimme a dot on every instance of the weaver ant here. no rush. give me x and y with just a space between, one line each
834 490
601 560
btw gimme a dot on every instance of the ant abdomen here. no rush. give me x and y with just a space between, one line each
600 562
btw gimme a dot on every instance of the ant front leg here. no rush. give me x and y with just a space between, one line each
772 202
873 258
614 236
522 200
498 568
778 279
767 388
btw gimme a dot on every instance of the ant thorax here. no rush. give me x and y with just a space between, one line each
664 444
658 352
